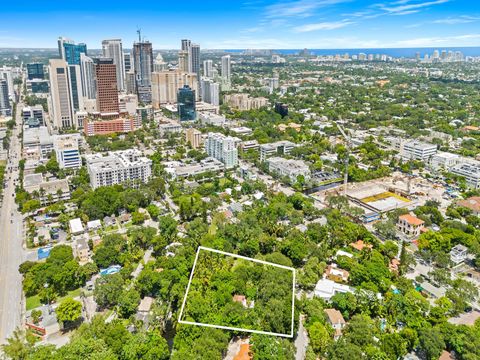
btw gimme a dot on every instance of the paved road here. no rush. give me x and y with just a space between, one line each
11 249
301 342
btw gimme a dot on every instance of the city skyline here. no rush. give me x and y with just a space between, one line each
322 24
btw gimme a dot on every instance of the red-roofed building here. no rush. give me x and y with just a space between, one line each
410 225
360 245
243 353
472 203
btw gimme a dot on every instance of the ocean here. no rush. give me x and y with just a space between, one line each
394 52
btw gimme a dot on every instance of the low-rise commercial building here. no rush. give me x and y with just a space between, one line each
276 148
471 173
417 150
37 143
66 151
171 127
119 167
48 192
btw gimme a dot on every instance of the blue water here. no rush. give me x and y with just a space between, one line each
394 52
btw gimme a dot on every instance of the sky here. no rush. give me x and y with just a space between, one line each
231 24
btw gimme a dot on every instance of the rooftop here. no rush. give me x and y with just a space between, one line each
334 316
412 220
472 203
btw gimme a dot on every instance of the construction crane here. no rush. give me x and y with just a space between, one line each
347 158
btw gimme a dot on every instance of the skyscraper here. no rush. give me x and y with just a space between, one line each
165 85
226 67
107 91
143 67
35 71
112 48
5 108
186 103
208 68
76 89
194 59
70 52
210 91
60 95
87 70
186 44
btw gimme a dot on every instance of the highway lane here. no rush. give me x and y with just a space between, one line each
11 244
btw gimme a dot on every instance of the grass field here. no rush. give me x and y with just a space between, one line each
34 301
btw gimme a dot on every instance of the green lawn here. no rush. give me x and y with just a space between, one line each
34 301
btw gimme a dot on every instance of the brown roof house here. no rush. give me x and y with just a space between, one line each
410 225
360 245
336 320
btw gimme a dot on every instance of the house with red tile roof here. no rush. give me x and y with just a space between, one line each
410 225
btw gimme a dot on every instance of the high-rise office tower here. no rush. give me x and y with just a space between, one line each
35 71
60 95
5 108
70 52
87 71
112 48
107 91
226 67
186 103
143 67
76 88
208 68
194 59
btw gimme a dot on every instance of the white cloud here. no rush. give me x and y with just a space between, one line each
323 26
458 20
459 40
298 8
403 6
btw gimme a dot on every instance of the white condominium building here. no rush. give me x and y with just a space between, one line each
417 150
118 167
223 148
66 151
289 168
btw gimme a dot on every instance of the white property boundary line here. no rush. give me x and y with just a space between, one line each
234 328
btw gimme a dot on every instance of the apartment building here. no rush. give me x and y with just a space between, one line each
194 137
223 148
289 168
118 167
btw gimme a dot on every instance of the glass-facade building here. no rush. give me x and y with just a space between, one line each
35 71
73 51
186 103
